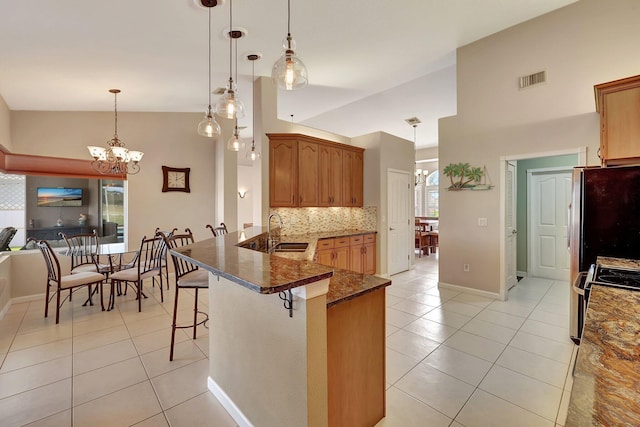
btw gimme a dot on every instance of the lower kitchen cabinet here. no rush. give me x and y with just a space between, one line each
333 252
355 253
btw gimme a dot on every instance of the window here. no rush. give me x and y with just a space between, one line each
112 209
428 196
12 205
433 195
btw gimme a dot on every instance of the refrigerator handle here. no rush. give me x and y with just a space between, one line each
569 227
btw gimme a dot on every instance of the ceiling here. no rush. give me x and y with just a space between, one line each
372 63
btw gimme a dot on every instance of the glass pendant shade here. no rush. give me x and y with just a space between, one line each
253 154
234 143
229 107
289 72
209 127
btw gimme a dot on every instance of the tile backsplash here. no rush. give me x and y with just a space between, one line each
314 220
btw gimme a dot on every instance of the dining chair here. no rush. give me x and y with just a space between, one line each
69 282
148 264
187 276
422 239
218 231
83 250
165 259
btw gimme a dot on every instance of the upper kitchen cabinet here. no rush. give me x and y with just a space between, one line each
307 172
330 184
618 103
352 183
283 172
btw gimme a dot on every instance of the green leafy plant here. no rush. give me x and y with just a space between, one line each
461 175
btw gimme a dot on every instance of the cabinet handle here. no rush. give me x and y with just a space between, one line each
300 199
292 201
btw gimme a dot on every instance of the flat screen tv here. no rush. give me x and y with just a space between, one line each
59 196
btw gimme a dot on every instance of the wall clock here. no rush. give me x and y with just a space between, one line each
175 179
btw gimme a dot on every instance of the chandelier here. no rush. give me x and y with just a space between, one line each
115 159
421 176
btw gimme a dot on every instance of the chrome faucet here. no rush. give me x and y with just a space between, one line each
271 240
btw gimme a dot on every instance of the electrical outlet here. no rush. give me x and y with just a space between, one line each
465 268
482 222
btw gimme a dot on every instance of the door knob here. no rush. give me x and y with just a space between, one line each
391 229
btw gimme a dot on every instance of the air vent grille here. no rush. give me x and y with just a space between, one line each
413 121
219 91
532 79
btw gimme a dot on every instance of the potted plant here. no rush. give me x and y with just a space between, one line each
461 175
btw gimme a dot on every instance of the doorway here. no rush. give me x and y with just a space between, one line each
398 214
561 159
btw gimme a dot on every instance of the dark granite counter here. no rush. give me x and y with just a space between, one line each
606 384
632 264
270 273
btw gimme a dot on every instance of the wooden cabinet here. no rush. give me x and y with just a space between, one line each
308 172
333 252
355 253
618 103
308 156
330 172
362 254
283 172
352 183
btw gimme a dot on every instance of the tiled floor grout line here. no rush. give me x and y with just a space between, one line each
493 364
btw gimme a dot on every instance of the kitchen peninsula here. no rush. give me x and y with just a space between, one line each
321 363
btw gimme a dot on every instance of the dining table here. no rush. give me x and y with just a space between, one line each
109 258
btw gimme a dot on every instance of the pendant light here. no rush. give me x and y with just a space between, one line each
289 72
208 126
421 174
253 154
229 106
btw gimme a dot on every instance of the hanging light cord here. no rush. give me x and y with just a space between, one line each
414 133
230 40
253 82
115 108
289 17
209 112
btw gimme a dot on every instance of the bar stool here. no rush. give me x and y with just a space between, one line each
188 276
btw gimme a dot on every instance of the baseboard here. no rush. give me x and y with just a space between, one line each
5 309
486 294
228 404
28 298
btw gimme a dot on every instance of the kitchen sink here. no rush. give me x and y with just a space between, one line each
290 247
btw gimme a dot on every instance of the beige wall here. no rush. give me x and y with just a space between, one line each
166 138
382 153
5 125
580 45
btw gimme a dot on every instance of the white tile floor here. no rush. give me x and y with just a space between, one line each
453 359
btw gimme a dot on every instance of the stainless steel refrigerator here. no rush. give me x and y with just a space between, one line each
604 221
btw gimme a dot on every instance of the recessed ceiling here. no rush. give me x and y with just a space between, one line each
371 64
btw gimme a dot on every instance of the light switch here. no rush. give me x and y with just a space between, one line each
482 222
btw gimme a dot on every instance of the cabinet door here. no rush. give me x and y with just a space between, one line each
330 176
341 259
357 179
621 127
283 173
325 257
308 173
369 258
355 258
352 169
348 160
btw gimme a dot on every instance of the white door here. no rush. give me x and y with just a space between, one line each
511 232
549 198
399 240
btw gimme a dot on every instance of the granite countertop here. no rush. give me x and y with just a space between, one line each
276 272
606 384
609 262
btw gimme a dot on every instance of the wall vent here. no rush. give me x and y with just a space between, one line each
532 79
